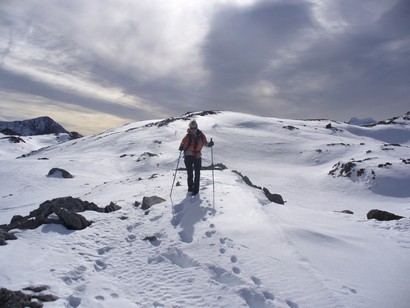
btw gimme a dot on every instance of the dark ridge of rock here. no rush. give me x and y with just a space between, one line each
17 299
186 116
8 132
246 179
382 215
14 139
66 209
276 198
6 236
38 126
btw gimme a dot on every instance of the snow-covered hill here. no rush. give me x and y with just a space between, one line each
37 126
231 247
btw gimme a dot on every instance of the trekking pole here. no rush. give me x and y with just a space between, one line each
213 176
175 175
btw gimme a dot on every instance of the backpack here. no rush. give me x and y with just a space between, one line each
190 137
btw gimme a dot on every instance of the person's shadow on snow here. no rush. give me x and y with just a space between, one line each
186 215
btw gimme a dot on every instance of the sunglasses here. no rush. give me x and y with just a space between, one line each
193 128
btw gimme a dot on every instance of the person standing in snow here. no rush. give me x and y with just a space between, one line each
192 145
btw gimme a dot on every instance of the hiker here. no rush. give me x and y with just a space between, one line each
192 145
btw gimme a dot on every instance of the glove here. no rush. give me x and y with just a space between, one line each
211 143
181 148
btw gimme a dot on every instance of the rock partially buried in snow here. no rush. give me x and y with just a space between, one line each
59 173
382 215
147 202
65 208
273 197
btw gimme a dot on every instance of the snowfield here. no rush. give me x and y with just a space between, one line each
231 246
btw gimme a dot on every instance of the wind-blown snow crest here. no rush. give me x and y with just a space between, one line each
230 247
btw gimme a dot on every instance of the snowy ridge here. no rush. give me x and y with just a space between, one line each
242 251
37 126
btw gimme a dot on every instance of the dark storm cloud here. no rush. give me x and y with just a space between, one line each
242 41
151 59
362 69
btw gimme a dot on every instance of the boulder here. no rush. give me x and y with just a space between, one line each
59 173
65 208
273 197
112 207
147 202
6 236
72 220
382 215
9 298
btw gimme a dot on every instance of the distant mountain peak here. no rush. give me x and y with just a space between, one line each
38 126
362 122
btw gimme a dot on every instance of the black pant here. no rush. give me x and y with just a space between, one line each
191 164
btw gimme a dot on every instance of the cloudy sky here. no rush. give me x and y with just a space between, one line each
98 64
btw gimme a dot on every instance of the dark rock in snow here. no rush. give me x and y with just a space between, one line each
382 215
273 197
112 207
17 299
14 139
8 131
65 208
72 220
6 236
246 179
345 212
59 173
147 202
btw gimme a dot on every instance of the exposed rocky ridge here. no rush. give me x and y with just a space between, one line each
65 208
395 120
23 298
186 116
37 126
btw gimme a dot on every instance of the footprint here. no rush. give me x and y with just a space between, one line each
210 233
104 250
131 238
256 280
100 298
236 270
222 250
100 265
234 259
269 295
74 301
74 275
221 275
292 304
253 298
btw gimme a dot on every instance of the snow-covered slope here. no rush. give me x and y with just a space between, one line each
231 247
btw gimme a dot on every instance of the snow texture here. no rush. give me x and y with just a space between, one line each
230 246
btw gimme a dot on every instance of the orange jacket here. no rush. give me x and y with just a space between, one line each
193 143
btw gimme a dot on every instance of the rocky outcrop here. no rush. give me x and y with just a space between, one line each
6 236
65 209
59 173
276 198
382 215
33 299
37 126
148 202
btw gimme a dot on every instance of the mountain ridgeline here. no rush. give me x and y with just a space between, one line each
37 126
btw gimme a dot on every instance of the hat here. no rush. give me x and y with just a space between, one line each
193 124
